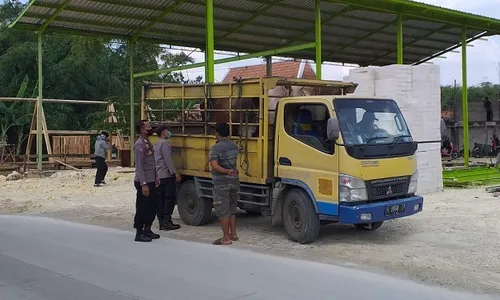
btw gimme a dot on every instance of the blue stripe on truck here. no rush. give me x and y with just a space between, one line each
321 207
351 214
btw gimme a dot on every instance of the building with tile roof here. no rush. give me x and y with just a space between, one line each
290 69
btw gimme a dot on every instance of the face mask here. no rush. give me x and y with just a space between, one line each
169 135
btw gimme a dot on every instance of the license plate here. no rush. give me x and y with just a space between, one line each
394 209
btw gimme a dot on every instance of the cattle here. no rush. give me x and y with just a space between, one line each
240 117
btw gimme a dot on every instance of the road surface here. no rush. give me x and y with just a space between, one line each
47 259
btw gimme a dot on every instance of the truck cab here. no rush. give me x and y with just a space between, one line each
345 159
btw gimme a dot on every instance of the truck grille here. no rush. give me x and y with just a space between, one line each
387 188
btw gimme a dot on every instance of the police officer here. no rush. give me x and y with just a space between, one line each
146 184
165 168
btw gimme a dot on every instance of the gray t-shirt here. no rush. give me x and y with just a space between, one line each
225 152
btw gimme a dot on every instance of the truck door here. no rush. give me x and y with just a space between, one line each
303 156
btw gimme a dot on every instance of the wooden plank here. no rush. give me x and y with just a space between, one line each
46 134
69 132
59 101
71 145
68 166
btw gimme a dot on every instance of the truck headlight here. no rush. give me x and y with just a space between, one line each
351 189
412 188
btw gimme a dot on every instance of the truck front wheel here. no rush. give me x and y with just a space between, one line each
300 219
194 211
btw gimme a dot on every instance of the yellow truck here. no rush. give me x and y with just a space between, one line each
310 153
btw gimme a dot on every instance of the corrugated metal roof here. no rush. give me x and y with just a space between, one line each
354 31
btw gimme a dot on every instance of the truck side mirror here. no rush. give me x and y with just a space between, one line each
333 129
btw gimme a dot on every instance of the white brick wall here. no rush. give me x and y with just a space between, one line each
417 91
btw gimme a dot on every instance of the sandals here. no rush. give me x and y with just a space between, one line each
218 242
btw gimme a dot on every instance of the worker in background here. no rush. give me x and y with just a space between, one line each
226 184
101 147
168 175
146 182
489 109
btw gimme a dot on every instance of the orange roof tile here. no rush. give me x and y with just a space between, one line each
289 69
446 114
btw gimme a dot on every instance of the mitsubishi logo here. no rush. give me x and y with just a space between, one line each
389 191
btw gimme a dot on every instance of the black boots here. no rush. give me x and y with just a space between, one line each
150 234
141 237
146 235
169 225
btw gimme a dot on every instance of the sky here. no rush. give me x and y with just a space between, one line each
483 57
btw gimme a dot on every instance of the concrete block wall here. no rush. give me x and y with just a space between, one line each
417 90
477 113
479 135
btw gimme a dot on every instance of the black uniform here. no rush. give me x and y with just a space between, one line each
145 174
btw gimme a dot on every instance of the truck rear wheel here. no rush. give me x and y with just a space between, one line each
300 219
194 211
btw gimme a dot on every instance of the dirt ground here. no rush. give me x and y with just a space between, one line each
454 242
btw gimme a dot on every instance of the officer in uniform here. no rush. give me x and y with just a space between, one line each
146 183
165 167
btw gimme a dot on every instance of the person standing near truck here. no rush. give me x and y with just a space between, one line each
226 183
168 175
146 182
100 148
489 109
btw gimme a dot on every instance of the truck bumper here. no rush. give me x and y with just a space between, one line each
380 211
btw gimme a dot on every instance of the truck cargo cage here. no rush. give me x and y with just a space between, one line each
191 112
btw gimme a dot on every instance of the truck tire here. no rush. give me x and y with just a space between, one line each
194 211
367 227
300 219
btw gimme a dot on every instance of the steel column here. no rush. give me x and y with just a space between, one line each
269 66
39 104
465 98
209 38
132 102
317 30
400 40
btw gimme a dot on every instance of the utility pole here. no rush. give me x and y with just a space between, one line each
498 72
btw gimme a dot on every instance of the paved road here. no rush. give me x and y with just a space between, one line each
46 259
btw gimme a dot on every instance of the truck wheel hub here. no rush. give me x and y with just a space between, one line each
191 203
295 218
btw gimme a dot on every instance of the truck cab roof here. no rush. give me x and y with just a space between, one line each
335 97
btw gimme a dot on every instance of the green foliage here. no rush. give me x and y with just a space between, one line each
452 95
74 67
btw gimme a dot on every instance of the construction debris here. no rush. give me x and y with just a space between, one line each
68 166
14 176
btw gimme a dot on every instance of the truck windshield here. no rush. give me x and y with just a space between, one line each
371 121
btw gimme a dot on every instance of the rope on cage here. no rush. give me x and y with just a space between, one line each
208 105
243 147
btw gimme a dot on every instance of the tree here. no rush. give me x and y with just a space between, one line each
452 95
74 67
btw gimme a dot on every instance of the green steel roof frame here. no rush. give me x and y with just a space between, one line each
236 36
43 16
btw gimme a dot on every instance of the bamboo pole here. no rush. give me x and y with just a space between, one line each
60 101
